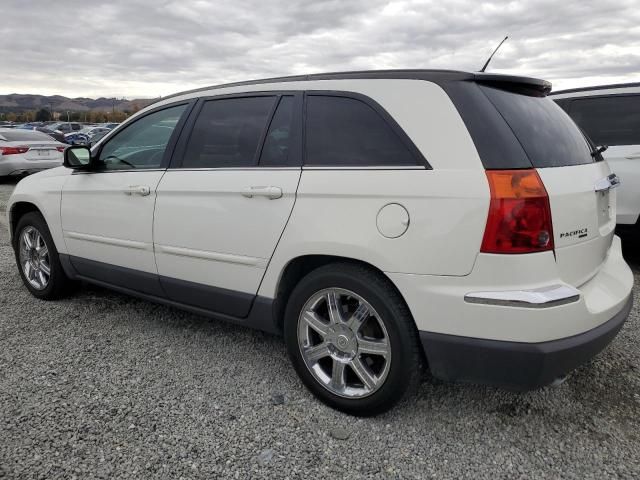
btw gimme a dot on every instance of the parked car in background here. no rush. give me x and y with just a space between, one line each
97 137
57 134
94 130
66 127
110 126
610 116
373 218
28 151
77 138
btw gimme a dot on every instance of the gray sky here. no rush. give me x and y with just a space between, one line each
146 48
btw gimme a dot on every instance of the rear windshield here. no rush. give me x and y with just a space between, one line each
17 135
546 133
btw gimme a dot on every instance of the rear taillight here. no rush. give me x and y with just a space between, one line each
519 213
60 149
13 150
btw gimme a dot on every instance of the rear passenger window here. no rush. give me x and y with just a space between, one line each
613 120
275 151
227 132
342 131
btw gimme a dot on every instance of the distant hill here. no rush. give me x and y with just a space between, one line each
17 103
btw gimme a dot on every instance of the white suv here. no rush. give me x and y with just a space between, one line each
378 220
610 115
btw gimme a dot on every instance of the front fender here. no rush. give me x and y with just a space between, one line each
44 191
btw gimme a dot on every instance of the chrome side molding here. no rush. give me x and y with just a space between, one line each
539 298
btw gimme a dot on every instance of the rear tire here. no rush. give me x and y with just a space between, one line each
351 339
38 260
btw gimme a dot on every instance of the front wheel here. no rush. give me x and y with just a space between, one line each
38 260
352 339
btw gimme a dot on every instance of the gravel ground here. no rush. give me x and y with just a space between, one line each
105 386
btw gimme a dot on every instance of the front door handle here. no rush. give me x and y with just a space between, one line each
270 192
634 156
141 190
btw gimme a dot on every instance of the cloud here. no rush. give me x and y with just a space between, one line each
148 48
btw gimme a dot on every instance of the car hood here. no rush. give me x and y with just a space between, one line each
52 172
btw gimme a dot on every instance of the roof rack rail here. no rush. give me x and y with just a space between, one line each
436 76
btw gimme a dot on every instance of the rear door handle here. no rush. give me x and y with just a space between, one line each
270 192
607 183
141 190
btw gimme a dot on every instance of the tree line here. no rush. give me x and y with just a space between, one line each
45 115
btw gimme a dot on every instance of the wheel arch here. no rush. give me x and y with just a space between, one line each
16 212
301 266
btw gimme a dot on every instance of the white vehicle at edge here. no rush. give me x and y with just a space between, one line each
375 219
610 115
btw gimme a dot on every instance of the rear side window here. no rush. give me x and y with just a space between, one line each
227 132
547 134
342 131
18 135
276 149
613 120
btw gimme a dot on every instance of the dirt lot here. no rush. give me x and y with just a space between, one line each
102 386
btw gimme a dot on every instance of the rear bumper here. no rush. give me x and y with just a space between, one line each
516 365
517 298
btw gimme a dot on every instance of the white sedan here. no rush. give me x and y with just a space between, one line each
28 151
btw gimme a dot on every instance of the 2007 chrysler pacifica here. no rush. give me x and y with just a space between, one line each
378 220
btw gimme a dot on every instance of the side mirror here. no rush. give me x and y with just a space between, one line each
77 157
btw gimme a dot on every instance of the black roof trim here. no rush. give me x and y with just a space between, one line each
435 76
530 82
597 87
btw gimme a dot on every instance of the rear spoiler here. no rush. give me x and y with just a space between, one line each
514 82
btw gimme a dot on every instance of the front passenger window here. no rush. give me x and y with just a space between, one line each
142 144
227 132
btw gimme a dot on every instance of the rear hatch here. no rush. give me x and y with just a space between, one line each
541 135
41 151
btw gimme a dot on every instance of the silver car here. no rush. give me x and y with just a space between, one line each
28 151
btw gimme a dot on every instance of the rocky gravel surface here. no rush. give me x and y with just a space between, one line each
105 386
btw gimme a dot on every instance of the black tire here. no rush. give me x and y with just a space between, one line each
406 359
59 285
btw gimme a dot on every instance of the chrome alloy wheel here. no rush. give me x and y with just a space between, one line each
34 258
344 343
